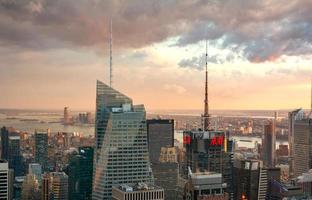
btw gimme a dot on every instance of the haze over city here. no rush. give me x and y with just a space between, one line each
259 54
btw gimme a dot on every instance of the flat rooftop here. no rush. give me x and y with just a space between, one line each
137 187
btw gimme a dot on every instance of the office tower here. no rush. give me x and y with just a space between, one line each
11 184
121 155
210 151
4 180
4 143
166 172
80 171
268 144
41 149
305 182
14 155
30 188
67 117
45 189
160 134
292 118
137 191
35 170
285 191
302 146
205 186
266 176
59 185
246 178
252 180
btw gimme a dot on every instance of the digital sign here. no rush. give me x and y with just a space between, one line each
186 139
217 141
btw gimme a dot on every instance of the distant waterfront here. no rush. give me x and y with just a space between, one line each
30 121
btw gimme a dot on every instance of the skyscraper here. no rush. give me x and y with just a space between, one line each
292 118
80 170
160 134
166 172
210 151
67 118
41 149
4 143
121 155
59 185
302 151
15 156
4 180
45 189
268 144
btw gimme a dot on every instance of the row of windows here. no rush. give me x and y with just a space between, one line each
145 195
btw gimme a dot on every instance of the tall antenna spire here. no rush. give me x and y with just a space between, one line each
206 115
110 54
310 115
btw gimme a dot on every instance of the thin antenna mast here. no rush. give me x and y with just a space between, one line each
310 115
206 110
111 54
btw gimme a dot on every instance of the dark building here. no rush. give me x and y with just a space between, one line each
246 179
285 191
10 150
41 149
4 143
210 151
14 155
160 133
80 171
45 189
268 145
252 180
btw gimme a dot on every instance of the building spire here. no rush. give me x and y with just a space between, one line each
310 115
206 115
111 54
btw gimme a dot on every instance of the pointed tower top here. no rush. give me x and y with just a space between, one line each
310 115
111 54
206 116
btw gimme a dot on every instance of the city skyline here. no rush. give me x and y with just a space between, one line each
52 53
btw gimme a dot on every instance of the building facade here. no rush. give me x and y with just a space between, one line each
121 153
160 134
302 152
210 151
269 144
4 180
41 149
138 191
80 171
205 186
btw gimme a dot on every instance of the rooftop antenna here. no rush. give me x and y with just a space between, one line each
310 115
110 54
206 115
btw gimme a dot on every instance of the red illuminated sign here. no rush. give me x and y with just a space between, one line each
186 139
217 141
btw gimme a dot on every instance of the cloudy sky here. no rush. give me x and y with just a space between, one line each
260 52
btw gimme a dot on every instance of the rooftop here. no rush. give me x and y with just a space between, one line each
137 187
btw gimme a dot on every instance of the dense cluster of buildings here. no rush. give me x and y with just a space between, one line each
135 158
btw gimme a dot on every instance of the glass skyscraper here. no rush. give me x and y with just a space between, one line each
121 155
80 174
41 149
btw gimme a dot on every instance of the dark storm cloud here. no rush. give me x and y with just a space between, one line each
260 30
